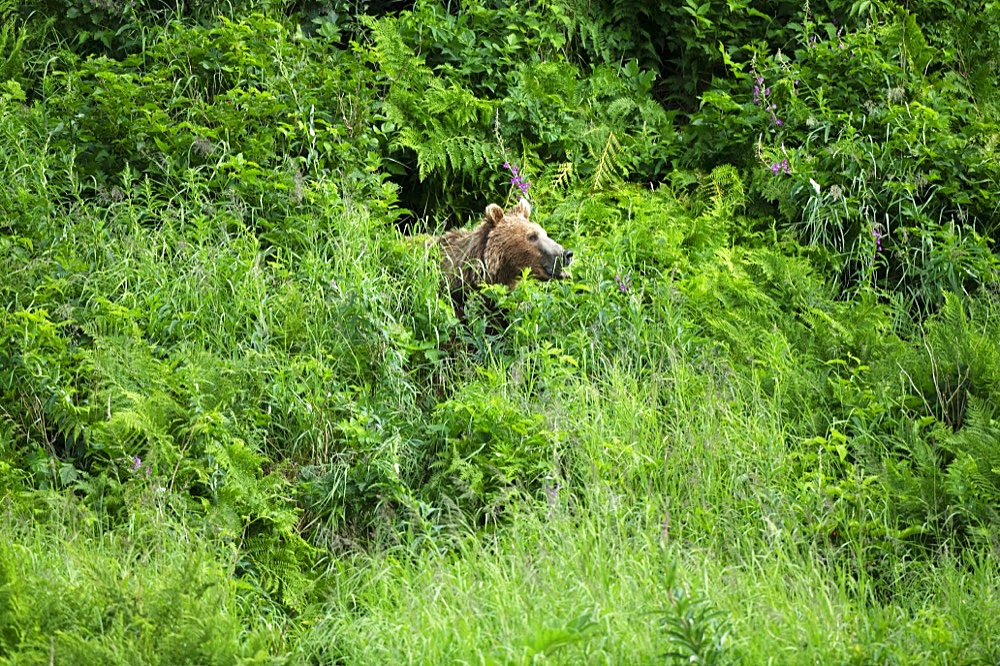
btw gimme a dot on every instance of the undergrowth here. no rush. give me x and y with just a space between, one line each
240 421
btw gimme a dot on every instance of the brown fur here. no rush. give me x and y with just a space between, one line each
498 251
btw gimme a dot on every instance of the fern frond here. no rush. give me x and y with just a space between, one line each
444 124
621 107
11 41
395 59
608 166
979 439
268 518
724 190
562 177
279 560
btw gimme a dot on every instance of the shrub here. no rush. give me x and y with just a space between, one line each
865 151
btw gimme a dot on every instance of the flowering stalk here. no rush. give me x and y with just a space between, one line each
517 180
760 95
136 466
623 282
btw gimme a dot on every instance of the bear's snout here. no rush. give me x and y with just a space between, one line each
567 257
560 260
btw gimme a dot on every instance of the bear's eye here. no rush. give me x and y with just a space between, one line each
533 236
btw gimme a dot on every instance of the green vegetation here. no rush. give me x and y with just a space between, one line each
240 422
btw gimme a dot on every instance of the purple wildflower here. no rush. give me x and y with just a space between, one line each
136 464
757 97
760 94
780 167
517 180
877 235
623 282
774 116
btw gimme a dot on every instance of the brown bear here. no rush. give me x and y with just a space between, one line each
498 251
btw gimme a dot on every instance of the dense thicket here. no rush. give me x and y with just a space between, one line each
240 422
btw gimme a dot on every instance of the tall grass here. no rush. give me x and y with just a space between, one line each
339 473
153 591
240 422
618 488
667 510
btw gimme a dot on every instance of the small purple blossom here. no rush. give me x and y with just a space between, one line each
877 235
757 97
780 167
517 180
760 94
136 464
623 282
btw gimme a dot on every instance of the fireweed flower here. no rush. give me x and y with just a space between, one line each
877 237
517 180
774 116
780 167
760 94
757 90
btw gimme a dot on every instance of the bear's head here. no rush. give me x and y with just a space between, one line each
515 243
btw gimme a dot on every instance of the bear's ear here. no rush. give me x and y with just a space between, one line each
494 215
523 208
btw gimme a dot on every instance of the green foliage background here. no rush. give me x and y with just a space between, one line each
241 423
